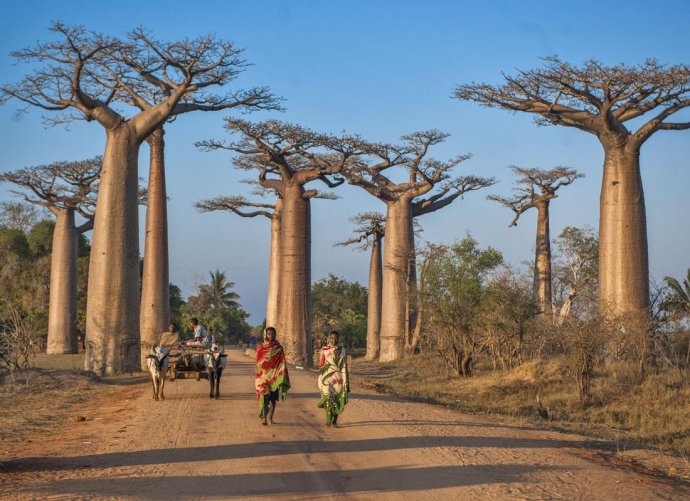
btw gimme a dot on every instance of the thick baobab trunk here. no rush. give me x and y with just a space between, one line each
112 312
294 319
62 313
396 257
272 299
374 301
155 291
623 258
542 261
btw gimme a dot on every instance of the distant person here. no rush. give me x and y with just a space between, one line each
333 380
272 378
170 337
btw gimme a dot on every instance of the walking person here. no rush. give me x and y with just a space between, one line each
333 380
272 379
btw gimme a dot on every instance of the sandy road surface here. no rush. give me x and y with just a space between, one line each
189 446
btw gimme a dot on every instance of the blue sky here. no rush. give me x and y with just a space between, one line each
381 69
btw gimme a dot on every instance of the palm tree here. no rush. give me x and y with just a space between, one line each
218 293
678 300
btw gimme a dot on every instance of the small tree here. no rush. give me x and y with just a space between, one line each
340 305
454 289
576 267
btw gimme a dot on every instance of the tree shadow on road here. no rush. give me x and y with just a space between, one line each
397 479
275 448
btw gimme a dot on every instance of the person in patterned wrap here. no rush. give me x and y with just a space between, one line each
272 379
333 381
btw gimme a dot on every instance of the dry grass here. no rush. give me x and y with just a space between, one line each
40 399
655 412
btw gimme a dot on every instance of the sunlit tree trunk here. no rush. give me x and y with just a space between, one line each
374 300
294 319
62 313
155 291
623 257
542 260
396 257
112 312
272 299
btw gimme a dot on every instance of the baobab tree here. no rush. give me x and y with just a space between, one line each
65 189
242 207
369 231
142 93
601 100
86 73
404 202
535 188
287 157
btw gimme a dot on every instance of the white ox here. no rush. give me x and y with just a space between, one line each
215 360
157 363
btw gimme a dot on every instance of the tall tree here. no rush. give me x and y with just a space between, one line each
404 202
601 100
64 188
287 157
142 93
242 207
535 188
369 231
86 72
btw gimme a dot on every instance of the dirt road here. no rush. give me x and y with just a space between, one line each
191 447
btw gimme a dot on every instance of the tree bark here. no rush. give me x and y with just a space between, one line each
623 255
155 291
112 313
542 260
62 312
272 299
294 322
411 301
396 257
374 301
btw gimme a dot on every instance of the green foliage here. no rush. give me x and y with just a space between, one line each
677 301
217 308
339 305
176 304
40 238
454 288
14 242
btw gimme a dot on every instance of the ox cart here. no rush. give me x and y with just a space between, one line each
187 361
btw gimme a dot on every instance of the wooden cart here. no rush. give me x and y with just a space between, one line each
187 362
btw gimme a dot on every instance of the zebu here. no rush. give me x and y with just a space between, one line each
215 360
157 363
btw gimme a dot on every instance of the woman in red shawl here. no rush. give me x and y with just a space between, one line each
271 375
